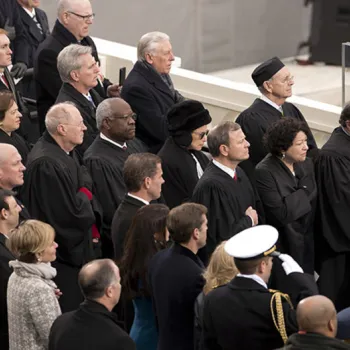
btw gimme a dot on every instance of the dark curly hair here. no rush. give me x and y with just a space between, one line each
281 134
345 115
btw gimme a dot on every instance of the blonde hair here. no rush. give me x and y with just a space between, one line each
221 269
3 31
30 238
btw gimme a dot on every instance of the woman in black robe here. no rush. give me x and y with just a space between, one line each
10 121
286 184
183 163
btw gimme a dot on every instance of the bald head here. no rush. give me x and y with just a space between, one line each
61 113
11 167
7 152
317 314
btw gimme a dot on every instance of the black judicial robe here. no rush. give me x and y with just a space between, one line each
226 200
179 172
288 207
332 169
105 162
17 141
254 122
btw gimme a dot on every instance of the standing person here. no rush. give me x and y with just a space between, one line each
233 204
147 235
149 89
286 184
93 326
10 121
9 218
332 217
64 198
275 82
31 294
182 160
175 277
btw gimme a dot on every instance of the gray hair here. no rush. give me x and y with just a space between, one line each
57 114
262 89
149 43
69 60
66 5
103 111
220 135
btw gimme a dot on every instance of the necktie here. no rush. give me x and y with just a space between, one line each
125 147
281 110
91 100
4 80
235 176
37 24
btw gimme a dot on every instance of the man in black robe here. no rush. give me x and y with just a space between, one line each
232 202
332 218
275 82
57 190
105 160
183 162
79 73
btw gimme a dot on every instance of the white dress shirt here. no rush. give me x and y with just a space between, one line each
103 137
271 103
138 198
254 277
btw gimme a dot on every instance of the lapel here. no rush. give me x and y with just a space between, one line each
3 243
153 78
42 19
32 27
133 201
78 98
11 84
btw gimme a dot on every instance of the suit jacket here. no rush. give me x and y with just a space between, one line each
175 276
238 315
5 272
86 109
9 13
121 223
47 78
150 98
32 32
92 326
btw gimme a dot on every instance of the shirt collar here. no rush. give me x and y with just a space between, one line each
271 103
138 198
346 132
254 277
30 13
104 137
224 168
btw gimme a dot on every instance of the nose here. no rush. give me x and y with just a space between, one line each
19 114
10 51
19 208
22 167
172 57
56 245
247 144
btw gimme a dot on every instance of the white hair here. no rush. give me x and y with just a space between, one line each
149 43
6 150
103 111
69 60
66 5
58 114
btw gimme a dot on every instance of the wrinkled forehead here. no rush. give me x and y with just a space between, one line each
282 74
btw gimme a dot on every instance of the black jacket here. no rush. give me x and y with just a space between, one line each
238 315
48 81
5 271
313 341
150 98
175 276
86 109
179 172
91 327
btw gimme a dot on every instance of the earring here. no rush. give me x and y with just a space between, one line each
39 259
283 155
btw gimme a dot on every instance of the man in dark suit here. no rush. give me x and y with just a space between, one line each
245 314
175 277
9 216
149 89
36 28
93 325
71 27
143 178
79 73
11 22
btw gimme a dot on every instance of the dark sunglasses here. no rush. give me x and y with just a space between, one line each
201 134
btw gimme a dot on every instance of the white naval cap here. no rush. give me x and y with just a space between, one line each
253 243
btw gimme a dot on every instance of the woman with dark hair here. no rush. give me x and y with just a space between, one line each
10 121
147 235
286 184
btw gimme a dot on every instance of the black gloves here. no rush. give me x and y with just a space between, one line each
18 70
11 31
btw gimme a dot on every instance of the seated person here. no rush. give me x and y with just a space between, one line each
93 326
149 89
182 160
79 73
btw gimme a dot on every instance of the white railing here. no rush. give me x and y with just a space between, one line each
224 99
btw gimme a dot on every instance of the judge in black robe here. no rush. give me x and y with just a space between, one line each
275 83
225 189
183 163
105 160
57 190
289 196
332 169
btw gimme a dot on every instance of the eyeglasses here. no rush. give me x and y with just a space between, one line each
125 117
85 18
288 79
201 134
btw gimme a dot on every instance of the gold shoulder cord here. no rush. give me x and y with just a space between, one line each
279 323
